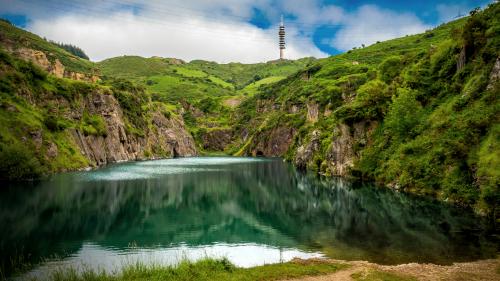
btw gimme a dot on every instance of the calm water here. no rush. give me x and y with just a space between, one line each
253 211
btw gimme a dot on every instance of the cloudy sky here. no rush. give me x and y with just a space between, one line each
227 30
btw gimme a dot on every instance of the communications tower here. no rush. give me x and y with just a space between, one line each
281 34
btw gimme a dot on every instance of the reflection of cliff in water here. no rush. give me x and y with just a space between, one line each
264 202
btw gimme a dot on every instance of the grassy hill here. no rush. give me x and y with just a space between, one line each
202 88
13 37
204 76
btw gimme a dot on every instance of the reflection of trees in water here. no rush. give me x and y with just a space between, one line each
263 202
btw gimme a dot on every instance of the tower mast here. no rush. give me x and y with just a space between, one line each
281 34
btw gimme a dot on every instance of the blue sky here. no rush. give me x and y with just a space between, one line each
227 30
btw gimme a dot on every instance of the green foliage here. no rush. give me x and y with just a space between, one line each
93 125
54 123
488 170
390 68
132 99
208 104
72 49
18 162
404 115
371 102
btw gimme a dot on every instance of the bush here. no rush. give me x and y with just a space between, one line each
18 162
404 115
53 123
31 71
94 125
371 103
390 68
207 105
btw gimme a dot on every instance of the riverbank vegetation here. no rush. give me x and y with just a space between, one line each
205 269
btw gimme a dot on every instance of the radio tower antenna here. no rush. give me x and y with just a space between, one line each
282 39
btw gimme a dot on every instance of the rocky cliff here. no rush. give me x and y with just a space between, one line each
51 124
54 67
167 137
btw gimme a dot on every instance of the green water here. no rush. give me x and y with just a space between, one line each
252 211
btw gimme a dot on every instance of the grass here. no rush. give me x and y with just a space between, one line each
253 87
205 269
133 67
375 275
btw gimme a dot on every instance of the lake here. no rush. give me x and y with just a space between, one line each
250 210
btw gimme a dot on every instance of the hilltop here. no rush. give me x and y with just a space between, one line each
418 113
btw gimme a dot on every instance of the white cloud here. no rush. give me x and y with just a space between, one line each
179 32
216 30
370 24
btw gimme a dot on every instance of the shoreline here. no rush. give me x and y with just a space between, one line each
313 269
488 269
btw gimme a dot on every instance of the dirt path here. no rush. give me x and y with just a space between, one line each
487 270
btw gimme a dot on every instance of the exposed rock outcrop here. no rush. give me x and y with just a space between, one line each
273 143
168 138
305 153
217 139
312 112
342 154
495 74
55 68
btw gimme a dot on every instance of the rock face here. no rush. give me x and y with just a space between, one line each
168 138
55 68
273 143
340 159
217 139
495 74
305 153
312 112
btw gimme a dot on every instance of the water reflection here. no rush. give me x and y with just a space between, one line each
204 202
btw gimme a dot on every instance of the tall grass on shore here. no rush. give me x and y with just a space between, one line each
205 269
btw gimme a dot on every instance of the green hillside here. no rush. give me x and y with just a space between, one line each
421 111
198 75
202 88
11 36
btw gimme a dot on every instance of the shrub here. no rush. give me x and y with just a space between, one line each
390 68
207 105
18 162
31 71
404 114
94 125
53 123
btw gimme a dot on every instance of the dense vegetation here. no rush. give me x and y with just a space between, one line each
431 105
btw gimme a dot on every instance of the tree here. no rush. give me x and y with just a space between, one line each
71 49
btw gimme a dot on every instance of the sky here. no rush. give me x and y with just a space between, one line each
227 30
